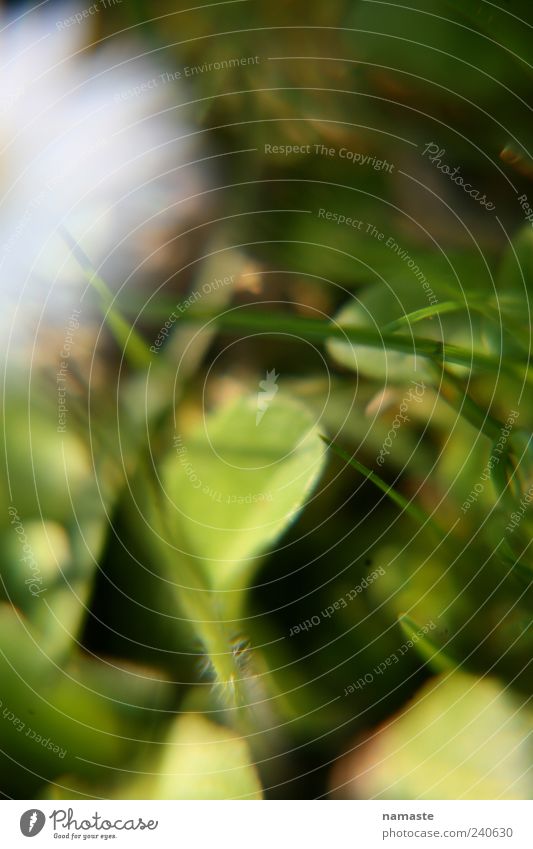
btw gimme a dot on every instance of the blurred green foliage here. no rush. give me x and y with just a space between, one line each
165 642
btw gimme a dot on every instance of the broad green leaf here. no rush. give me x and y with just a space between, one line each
203 760
83 717
199 760
46 470
48 573
239 480
461 738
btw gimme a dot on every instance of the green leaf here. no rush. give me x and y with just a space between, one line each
229 489
461 738
237 483
200 760
53 585
203 760
85 710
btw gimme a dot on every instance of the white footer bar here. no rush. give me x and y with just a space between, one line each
268 825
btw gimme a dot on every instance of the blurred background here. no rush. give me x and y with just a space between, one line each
226 232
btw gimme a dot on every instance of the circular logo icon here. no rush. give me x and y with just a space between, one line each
32 822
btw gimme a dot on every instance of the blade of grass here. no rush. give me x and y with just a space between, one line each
412 509
249 320
427 649
521 572
453 392
426 312
134 348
